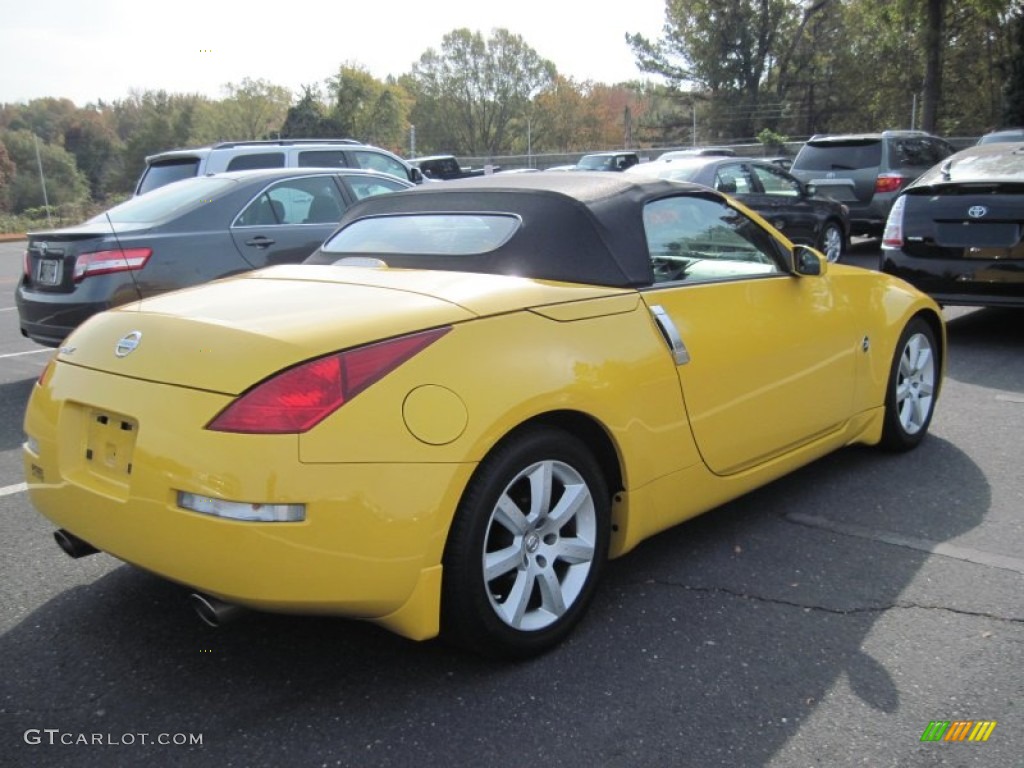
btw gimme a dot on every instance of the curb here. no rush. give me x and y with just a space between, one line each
12 238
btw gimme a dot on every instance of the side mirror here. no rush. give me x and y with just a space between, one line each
807 261
415 175
810 190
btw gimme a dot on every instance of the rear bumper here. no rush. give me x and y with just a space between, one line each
960 282
370 546
49 317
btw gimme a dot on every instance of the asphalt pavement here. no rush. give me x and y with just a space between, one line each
826 620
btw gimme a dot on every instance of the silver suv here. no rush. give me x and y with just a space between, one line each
867 171
176 164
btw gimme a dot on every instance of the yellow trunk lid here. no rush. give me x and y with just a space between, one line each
227 335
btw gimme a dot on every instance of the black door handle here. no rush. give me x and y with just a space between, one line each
260 241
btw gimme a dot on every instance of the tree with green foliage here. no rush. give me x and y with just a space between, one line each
307 118
1013 67
7 170
45 117
723 48
831 65
64 182
253 109
471 91
155 121
367 109
91 137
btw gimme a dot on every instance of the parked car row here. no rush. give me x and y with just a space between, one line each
227 221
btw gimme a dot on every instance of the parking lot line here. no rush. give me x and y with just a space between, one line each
967 554
29 352
10 490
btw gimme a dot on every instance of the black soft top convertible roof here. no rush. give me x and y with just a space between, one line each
577 226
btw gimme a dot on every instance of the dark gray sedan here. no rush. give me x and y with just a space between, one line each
790 205
182 234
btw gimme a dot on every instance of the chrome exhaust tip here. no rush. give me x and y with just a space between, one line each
214 612
72 545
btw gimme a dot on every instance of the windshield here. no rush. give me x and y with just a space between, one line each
167 201
596 162
437 234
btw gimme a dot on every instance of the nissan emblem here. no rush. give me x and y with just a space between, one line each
127 344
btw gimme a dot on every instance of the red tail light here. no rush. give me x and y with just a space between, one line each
889 182
298 399
104 262
26 264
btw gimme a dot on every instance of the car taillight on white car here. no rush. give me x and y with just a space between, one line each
893 235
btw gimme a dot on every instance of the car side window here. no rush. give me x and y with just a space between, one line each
774 182
376 161
368 186
699 239
734 179
251 161
323 158
309 200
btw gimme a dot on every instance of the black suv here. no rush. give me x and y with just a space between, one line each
867 171
176 164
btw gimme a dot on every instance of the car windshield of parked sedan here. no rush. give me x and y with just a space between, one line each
166 202
427 234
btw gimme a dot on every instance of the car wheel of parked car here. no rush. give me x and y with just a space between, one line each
527 546
831 242
912 389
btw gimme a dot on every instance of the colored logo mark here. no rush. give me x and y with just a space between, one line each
958 730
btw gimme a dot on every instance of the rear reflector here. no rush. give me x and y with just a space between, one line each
299 398
893 235
241 510
104 262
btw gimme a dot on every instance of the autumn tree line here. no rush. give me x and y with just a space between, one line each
723 71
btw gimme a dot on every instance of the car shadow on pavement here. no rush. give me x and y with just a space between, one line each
975 336
13 398
710 645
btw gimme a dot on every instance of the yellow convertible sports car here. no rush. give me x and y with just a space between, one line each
469 398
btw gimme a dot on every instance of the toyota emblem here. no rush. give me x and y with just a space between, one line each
977 211
127 344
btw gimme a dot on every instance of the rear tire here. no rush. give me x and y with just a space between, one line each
527 546
832 243
912 388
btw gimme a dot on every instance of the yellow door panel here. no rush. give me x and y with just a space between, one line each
771 364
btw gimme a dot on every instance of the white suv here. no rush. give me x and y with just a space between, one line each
175 164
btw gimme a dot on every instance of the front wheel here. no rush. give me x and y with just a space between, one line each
912 388
832 243
526 548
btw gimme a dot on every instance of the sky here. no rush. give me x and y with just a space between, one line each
86 50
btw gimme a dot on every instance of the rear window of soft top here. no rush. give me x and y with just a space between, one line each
431 234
